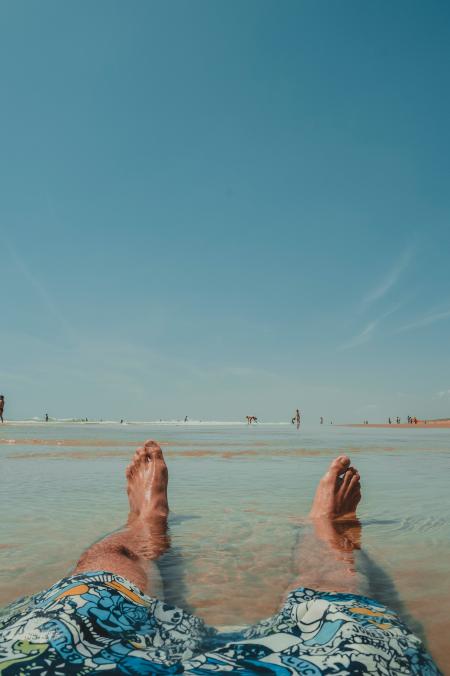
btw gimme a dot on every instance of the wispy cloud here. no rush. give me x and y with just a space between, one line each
362 337
367 333
425 321
377 293
391 277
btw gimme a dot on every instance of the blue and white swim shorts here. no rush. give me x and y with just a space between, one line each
100 623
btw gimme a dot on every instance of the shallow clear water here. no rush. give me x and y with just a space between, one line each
235 493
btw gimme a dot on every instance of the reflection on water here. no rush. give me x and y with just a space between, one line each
236 495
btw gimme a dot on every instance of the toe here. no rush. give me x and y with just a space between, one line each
346 479
353 485
151 443
138 454
142 455
339 465
135 462
153 449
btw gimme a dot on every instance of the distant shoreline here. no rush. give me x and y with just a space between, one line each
443 423
52 422
430 424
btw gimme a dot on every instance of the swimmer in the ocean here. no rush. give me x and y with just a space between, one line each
105 617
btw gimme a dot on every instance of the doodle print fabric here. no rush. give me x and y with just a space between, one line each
100 623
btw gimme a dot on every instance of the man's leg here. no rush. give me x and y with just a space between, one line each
326 556
144 538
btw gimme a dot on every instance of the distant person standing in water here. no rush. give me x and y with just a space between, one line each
2 405
297 418
46 417
321 420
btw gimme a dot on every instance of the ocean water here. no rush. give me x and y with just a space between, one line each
237 496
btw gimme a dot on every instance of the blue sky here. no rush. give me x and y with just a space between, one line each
221 208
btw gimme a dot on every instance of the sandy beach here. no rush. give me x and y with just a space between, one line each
421 424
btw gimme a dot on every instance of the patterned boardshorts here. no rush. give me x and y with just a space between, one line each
100 623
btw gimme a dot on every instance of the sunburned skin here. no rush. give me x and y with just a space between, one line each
338 493
145 537
326 557
147 480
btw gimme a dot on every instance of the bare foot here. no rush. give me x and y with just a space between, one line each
338 492
147 479
326 558
343 536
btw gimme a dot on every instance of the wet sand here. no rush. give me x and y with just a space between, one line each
109 442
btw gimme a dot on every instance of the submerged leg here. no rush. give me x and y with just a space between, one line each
326 557
128 552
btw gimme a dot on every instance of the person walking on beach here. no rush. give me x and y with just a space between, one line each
105 618
2 406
